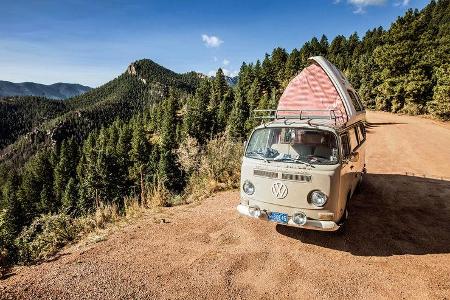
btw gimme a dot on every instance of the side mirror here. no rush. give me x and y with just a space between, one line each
245 145
354 157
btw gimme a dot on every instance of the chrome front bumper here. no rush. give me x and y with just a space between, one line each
310 224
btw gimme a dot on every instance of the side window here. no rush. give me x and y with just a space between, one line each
358 134
362 133
353 138
345 145
355 100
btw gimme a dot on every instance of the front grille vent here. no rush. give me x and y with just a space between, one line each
296 177
265 173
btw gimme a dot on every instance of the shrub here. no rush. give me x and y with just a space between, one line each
133 207
105 214
189 155
45 236
158 196
219 168
221 161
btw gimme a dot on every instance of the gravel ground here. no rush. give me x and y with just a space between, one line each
397 243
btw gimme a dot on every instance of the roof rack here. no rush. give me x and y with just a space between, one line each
293 114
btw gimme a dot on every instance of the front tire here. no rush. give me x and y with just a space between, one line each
359 184
343 223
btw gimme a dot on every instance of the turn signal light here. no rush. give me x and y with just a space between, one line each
326 216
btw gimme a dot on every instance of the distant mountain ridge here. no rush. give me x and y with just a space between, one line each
31 122
55 91
232 81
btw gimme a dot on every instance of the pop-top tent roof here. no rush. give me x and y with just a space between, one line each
319 90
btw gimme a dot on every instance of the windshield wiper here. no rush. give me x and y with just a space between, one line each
259 156
294 160
304 162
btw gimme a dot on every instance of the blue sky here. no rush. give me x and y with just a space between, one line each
91 42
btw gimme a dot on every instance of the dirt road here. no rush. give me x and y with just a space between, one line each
397 244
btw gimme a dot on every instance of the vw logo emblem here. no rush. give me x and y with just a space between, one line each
279 190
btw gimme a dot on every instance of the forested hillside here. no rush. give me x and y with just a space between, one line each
152 130
118 99
404 69
20 114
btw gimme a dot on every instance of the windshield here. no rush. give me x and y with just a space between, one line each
293 145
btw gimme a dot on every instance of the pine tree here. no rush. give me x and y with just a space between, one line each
219 88
315 47
353 47
267 74
440 106
324 45
417 91
36 188
113 136
224 110
293 66
123 149
246 76
236 123
254 94
168 171
70 197
65 167
274 97
279 57
263 103
338 51
108 179
13 214
139 155
198 122
87 175
253 98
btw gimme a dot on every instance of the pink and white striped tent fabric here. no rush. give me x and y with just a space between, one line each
312 89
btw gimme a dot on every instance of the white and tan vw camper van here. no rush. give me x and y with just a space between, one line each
303 163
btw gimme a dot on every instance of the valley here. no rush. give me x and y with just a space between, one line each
396 244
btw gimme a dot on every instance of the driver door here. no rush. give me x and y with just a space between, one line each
348 169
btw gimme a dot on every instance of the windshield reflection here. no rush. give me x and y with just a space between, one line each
293 145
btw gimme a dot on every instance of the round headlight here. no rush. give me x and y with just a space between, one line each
318 198
248 187
254 212
299 218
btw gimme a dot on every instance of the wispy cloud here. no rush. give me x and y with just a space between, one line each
360 5
226 62
211 41
230 73
402 3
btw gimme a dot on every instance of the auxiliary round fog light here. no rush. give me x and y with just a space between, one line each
299 218
254 212
248 187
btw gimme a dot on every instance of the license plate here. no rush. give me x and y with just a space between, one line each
278 217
